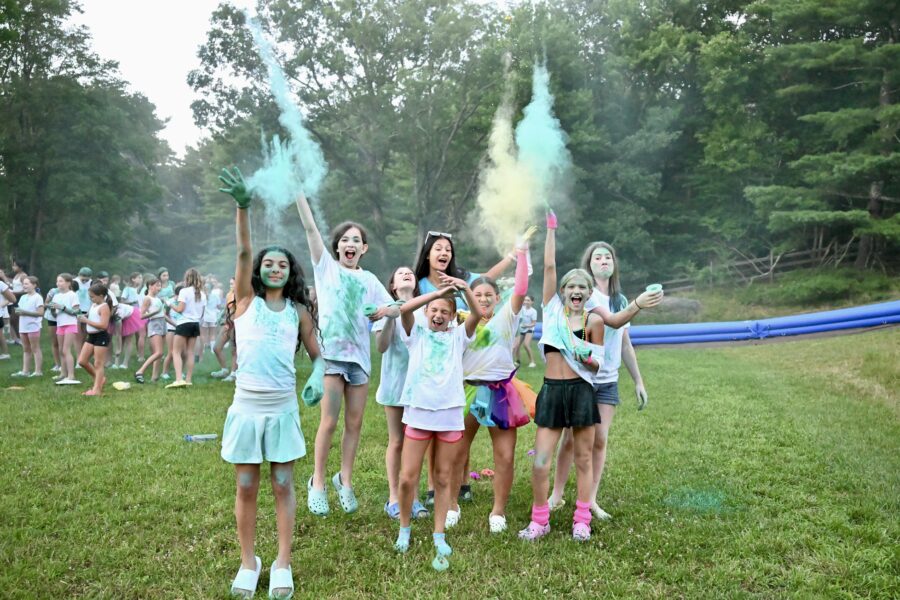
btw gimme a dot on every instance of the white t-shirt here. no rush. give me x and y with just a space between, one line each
556 333
48 313
394 362
67 300
489 356
433 395
130 296
213 305
4 312
527 319
612 342
341 293
84 298
30 302
193 308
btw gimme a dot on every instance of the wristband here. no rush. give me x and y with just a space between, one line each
636 304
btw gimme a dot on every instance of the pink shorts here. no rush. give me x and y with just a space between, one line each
449 437
64 329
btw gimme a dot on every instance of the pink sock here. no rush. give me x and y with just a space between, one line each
582 512
541 514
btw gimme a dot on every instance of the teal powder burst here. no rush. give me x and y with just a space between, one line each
293 165
542 141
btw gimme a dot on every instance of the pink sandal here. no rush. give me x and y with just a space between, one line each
581 532
534 531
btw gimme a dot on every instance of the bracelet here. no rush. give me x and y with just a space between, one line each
636 304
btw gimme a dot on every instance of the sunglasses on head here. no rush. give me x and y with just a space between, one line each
442 234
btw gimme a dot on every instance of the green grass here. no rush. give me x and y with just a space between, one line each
803 291
755 472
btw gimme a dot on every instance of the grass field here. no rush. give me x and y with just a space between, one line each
765 471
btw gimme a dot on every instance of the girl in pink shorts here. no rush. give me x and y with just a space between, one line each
433 401
65 302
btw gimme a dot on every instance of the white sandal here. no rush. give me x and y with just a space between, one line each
246 580
281 578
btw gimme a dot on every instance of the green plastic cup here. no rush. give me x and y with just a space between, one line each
370 309
654 287
582 353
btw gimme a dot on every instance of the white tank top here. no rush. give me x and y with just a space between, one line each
266 342
93 315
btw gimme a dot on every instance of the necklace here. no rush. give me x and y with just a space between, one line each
583 328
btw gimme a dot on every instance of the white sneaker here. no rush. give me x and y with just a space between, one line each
497 523
36 374
56 369
531 365
221 373
231 378
5 356
68 382
599 513
452 519
59 377
77 366
20 374
165 377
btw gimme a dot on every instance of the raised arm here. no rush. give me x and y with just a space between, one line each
243 270
407 318
313 237
520 285
550 258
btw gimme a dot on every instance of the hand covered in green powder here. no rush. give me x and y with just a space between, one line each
235 186
315 386
641 394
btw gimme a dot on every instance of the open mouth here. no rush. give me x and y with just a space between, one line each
576 300
443 262
349 254
437 322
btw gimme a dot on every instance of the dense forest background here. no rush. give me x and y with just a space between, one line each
701 133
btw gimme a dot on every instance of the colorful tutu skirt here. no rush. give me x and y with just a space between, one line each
133 323
504 404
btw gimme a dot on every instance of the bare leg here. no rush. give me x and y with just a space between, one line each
410 467
35 341
353 419
190 344
177 357
394 416
445 466
504 442
54 346
99 368
601 438
564 458
527 345
26 353
584 443
247 477
544 443
84 358
330 412
282 475
157 352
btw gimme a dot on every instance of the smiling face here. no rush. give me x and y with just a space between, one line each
486 299
575 290
350 248
274 269
27 286
439 313
62 285
404 279
440 255
603 265
528 302
155 287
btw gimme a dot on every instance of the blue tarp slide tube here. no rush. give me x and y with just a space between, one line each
872 315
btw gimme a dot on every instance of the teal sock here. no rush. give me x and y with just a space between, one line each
440 543
402 543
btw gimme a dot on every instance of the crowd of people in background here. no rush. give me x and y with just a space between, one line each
99 322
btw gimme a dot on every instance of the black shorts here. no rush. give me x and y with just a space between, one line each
188 330
51 323
2 323
101 338
566 403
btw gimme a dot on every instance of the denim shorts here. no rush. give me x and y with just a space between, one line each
607 393
350 371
